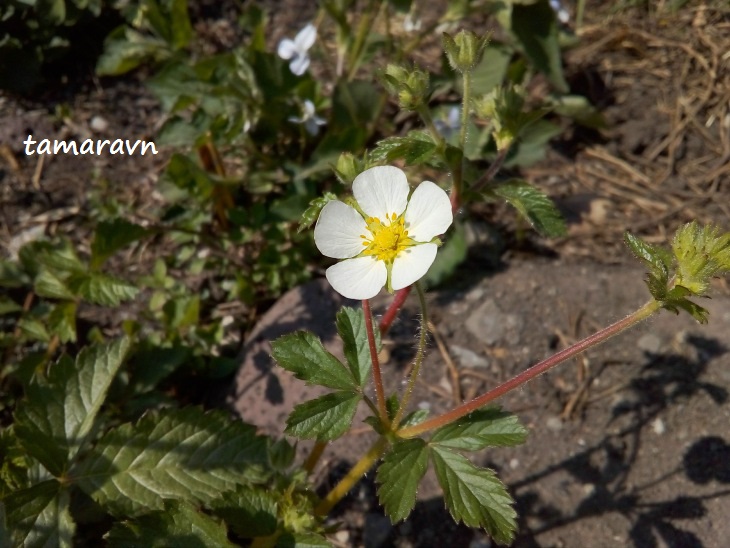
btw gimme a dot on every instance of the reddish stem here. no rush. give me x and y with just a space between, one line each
377 378
537 369
390 314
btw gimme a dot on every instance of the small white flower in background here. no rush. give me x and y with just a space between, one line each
390 240
296 50
451 125
411 23
562 13
309 118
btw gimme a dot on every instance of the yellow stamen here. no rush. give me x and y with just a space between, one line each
388 240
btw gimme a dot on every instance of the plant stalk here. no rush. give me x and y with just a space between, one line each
390 314
420 352
601 336
377 377
352 477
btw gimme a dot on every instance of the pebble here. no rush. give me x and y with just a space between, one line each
554 424
658 426
490 325
467 357
99 124
650 342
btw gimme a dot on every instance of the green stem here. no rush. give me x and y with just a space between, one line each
314 456
363 31
465 109
420 352
352 477
496 165
601 336
377 377
427 119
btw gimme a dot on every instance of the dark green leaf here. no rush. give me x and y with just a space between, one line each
534 206
180 524
417 148
181 29
111 236
183 454
311 214
302 353
125 49
475 495
249 511
351 328
484 428
324 418
62 321
37 516
399 475
536 28
47 284
449 257
56 418
101 289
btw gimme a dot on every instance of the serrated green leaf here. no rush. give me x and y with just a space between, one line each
415 417
11 275
475 495
324 418
180 524
249 511
351 328
47 284
416 148
111 236
302 353
449 257
101 289
536 28
183 454
484 428
56 418
34 329
37 516
57 257
534 206
657 258
398 477
312 212
62 321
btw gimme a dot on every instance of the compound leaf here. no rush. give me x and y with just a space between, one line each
534 206
185 454
351 327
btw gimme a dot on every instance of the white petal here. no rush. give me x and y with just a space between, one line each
360 278
429 212
287 49
381 191
411 265
338 231
299 64
305 38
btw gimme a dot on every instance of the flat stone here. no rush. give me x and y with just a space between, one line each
490 325
467 357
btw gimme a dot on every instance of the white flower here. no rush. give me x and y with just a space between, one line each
560 11
451 125
309 118
411 23
388 239
297 49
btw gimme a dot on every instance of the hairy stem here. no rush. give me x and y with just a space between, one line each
496 165
352 477
395 305
314 456
601 336
377 377
420 352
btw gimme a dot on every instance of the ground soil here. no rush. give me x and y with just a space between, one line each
629 444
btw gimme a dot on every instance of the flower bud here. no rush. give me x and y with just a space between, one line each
348 167
410 86
503 108
465 50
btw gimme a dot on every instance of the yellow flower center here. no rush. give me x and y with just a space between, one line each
388 239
